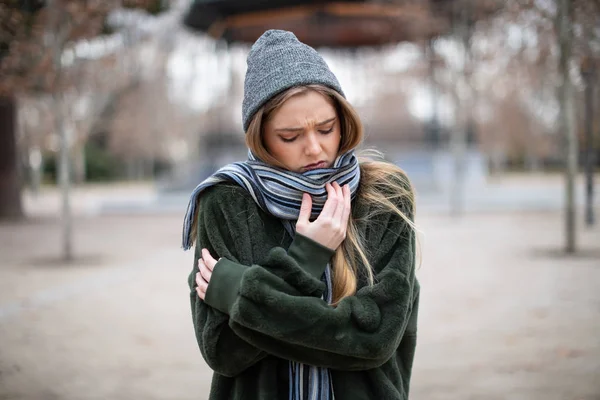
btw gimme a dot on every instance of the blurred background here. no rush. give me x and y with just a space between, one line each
111 112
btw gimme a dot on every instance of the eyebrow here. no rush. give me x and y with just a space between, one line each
301 129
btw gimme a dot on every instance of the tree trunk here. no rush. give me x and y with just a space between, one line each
565 37
36 160
433 126
10 177
64 179
589 77
130 168
79 172
458 140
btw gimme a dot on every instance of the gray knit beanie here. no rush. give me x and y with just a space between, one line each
279 61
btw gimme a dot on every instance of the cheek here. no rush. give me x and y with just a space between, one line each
274 146
278 151
285 153
334 142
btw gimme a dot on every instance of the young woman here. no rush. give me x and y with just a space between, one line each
304 283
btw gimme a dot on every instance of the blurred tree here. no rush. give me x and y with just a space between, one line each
573 36
564 27
588 15
34 35
15 25
141 114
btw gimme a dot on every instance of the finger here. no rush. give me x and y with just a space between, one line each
201 294
305 208
199 279
331 203
202 284
339 211
206 273
347 204
209 260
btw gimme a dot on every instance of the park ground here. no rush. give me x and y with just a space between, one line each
505 314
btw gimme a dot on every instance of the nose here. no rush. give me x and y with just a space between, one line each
313 146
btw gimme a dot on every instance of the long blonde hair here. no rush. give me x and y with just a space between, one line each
382 184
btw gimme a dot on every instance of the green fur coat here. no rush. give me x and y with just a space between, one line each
263 306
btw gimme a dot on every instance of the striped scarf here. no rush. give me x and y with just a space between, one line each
308 382
279 192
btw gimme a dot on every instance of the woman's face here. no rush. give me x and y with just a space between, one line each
304 133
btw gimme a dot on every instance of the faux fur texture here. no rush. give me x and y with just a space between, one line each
276 313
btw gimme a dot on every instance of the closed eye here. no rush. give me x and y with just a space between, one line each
327 131
289 140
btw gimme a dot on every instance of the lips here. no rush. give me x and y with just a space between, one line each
320 164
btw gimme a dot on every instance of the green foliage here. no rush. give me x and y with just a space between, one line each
49 173
106 29
153 7
101 166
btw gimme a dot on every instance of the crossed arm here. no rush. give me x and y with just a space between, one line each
252 311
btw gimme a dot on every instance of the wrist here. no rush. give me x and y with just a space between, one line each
325 241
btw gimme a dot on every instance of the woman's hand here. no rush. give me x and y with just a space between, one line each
206 264
329 229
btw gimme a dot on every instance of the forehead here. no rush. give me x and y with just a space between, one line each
304 108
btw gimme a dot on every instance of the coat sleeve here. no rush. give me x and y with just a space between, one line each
276 306
222 349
